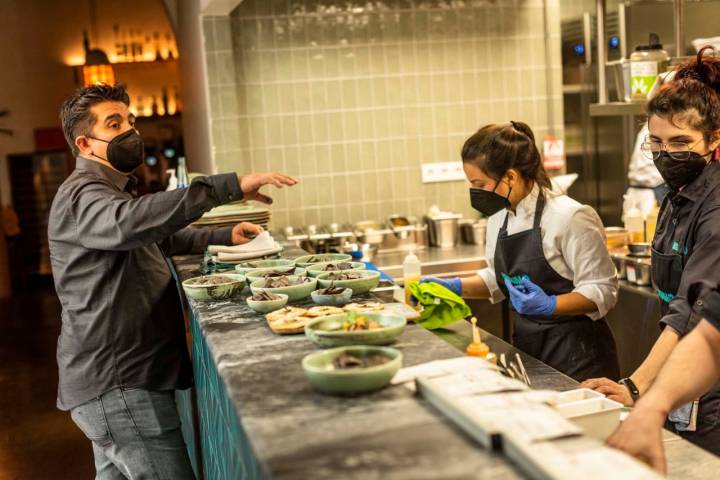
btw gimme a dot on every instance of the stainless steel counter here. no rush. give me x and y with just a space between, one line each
463 260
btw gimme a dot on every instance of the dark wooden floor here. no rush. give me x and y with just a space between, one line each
37 441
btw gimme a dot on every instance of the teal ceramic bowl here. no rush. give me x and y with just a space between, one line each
220 291
267 306
337 300
323 375
299 289
259 273
319 268
307 260
369 280
328 331
253 264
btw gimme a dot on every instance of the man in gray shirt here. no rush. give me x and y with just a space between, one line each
122 351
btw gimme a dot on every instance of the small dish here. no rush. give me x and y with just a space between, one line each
368 280
329 331
259 273
335 300
223 286
267 306
307 260
246 265
299 288
320 370
317 268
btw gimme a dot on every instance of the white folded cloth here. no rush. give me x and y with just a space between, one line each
236 257
262 242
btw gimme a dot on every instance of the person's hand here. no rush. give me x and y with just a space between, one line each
530 299
612 390
244 232
640 435
251 184
453 284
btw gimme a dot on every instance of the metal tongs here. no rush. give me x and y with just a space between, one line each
514 370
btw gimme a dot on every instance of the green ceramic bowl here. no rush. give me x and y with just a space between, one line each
307 260
296 291
337 300
319 369
259 273
368 281
328 331
267 306
317 268
221 291
253 264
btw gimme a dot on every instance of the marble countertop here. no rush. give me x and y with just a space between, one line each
298 433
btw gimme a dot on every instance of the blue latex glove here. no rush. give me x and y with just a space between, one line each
453 284
529 299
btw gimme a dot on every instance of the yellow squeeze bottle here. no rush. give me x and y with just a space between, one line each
477 348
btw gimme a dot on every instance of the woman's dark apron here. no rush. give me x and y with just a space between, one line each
573 344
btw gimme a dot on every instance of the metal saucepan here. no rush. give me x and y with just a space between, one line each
640 249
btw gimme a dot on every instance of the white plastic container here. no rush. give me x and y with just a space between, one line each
596 415
635 224
411 273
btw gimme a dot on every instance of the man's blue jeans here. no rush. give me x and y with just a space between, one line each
135 434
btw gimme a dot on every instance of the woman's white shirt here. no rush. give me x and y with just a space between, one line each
573 241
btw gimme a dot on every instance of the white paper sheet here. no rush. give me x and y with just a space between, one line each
262 242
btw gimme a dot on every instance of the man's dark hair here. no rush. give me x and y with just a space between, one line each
75 114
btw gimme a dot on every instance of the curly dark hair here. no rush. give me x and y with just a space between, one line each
76 115
495 149
693 96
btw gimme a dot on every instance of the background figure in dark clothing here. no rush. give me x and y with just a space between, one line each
121 351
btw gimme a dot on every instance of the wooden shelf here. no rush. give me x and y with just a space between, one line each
158 117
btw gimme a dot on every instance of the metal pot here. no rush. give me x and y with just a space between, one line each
640 249
443 229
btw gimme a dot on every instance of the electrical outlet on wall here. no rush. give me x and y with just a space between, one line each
442 172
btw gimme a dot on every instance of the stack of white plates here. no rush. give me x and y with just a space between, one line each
234 213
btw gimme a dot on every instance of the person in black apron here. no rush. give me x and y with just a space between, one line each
686 246
574 344
552 320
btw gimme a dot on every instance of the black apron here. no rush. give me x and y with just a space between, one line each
573 344
667 269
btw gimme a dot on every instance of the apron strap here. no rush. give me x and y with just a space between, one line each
539 207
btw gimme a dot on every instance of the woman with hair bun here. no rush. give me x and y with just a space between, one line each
545 252
683 140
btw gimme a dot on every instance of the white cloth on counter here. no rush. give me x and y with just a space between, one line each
264 241
573 241
236 257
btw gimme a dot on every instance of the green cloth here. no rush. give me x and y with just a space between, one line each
441 306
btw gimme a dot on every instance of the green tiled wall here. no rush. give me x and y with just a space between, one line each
353 99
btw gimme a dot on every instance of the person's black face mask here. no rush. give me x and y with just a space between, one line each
489 203
125 152
678 173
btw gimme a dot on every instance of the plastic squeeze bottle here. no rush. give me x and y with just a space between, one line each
411 273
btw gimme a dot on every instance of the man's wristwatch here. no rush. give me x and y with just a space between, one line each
632 388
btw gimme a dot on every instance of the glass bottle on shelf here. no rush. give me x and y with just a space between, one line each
140 106
182 174
125 51
139 45
178 102
118 43
169 46
165 102
158 53
154 106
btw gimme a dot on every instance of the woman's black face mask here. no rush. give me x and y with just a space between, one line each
489 203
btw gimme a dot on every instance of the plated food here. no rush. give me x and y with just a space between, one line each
214 287
294 286
351 370
264 301
317 268
244 266
307 260
359 281
293 319
351 328
365 307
